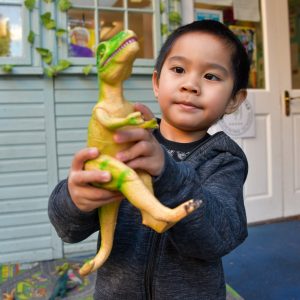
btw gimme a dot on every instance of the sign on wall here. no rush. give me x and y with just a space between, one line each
241 123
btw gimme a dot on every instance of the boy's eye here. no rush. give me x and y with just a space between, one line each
211 77
178 70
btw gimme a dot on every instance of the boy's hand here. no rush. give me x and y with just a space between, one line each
85 196
146 153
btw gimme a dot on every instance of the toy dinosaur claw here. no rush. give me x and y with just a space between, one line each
135 118
192 205
151 124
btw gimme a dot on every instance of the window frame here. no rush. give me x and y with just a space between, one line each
31 63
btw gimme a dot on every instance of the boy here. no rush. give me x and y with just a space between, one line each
200 75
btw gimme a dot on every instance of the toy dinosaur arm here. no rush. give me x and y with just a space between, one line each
133 119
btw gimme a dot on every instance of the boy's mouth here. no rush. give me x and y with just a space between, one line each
187 104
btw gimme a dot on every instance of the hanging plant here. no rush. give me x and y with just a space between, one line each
47 21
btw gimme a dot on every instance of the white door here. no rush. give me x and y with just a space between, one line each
290 90
264 186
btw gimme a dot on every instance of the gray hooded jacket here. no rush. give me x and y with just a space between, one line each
184 262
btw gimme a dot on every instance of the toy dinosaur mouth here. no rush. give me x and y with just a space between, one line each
123 45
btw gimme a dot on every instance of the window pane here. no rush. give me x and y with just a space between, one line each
139 3
249 32
111 3
110 24
11 35
141 24
81 27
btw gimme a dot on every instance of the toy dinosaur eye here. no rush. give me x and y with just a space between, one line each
101 50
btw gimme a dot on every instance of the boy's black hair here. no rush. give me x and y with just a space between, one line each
240 60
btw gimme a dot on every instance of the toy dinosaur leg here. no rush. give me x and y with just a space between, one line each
154 214
107 218
126 180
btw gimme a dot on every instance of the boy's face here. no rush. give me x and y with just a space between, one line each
195 86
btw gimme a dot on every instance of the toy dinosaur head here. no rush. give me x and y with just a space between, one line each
115 56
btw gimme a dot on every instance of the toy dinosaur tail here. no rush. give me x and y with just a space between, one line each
107 218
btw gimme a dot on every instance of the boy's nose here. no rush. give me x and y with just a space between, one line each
190 88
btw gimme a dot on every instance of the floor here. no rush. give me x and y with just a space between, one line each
267 265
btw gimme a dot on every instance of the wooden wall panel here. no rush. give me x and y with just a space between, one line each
25 230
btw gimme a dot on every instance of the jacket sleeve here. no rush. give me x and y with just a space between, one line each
220 224
71 224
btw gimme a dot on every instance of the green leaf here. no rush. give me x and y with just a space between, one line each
47 1
30 4
162 7
164 29
60 32
48 58
42 51
87 69
31 37
47 21
45 54
50 72
64 5
7 68
62 65
174 17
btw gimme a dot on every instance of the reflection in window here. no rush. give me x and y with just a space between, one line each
110 3
110 24
81 33
139 3
141 24
11 44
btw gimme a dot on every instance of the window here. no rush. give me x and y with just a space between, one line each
91 21
248 28
14 28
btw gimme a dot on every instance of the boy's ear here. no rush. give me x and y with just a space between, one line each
236 101
155 83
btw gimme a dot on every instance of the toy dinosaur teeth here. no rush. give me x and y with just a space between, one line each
122 46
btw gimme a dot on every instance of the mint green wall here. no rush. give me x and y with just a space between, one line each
42 124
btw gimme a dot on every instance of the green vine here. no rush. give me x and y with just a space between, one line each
49 23
7 68
29 4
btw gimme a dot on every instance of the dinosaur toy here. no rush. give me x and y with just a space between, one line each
112 112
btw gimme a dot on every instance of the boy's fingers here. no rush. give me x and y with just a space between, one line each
82 156
146 112
94 194
82 178
131 135
138 149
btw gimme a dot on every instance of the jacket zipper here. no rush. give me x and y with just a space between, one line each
155 239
